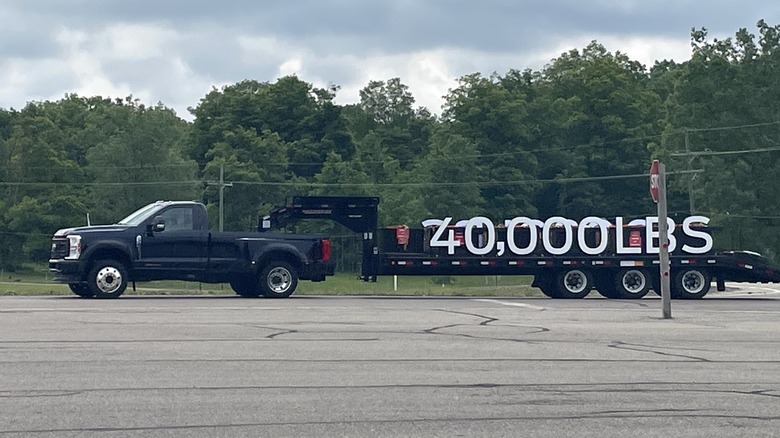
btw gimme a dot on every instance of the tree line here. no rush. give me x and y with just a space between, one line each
574 139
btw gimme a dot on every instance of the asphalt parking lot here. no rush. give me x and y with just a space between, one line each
363 366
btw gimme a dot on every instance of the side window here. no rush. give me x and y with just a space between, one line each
178 218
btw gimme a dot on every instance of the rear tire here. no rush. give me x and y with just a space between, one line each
107 279
278 280
632 284
691 284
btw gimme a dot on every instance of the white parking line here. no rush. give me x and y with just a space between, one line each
510 303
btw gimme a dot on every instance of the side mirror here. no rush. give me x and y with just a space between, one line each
157 225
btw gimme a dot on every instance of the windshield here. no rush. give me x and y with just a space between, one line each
139 216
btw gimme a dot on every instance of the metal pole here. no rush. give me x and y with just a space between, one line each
221 196
222 185
663 229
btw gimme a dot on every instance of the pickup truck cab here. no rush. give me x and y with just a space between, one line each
169 240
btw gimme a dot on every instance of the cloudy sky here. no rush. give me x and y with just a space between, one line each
175 51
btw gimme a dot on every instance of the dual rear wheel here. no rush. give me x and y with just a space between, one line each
567 284
277 279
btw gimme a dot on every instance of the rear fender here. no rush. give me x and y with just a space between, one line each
280 251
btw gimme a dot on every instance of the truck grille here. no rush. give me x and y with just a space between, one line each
59 248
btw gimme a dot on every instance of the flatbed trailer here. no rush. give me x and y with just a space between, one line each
623 266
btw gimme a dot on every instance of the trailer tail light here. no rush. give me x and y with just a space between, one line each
325 250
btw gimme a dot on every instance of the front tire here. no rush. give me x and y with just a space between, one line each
278 280
107 279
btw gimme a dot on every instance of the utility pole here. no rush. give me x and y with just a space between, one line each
222 184
663 230
658 192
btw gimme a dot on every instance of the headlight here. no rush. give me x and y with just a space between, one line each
74 247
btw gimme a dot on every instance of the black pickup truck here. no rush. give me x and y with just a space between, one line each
171 241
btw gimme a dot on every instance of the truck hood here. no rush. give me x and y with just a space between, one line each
91 229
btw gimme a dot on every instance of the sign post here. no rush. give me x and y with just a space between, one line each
658 192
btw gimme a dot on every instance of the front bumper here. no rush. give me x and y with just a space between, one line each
67 271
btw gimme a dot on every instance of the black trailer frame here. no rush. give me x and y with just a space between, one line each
558 276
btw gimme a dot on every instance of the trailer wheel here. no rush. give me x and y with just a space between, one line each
573 284
691 284
278 280
244 286
80 290
107 279
632 284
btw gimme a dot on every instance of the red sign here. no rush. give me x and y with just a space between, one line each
402 235
654 181
635 239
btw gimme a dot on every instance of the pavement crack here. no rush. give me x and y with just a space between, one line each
487 319
653 350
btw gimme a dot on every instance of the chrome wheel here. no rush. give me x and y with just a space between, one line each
108 280
279 280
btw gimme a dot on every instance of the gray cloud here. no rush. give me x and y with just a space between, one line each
175 50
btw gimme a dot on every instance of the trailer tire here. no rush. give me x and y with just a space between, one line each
107 279
80 290
691 284
278 279
632 284
573 284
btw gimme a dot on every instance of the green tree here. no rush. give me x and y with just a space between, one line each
723 108
611 118
389 119
257 164
491 117
303 117
142 161
452 187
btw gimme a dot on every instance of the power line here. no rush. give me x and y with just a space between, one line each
708 153
728 128
368 184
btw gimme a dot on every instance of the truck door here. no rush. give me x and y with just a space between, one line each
179 251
